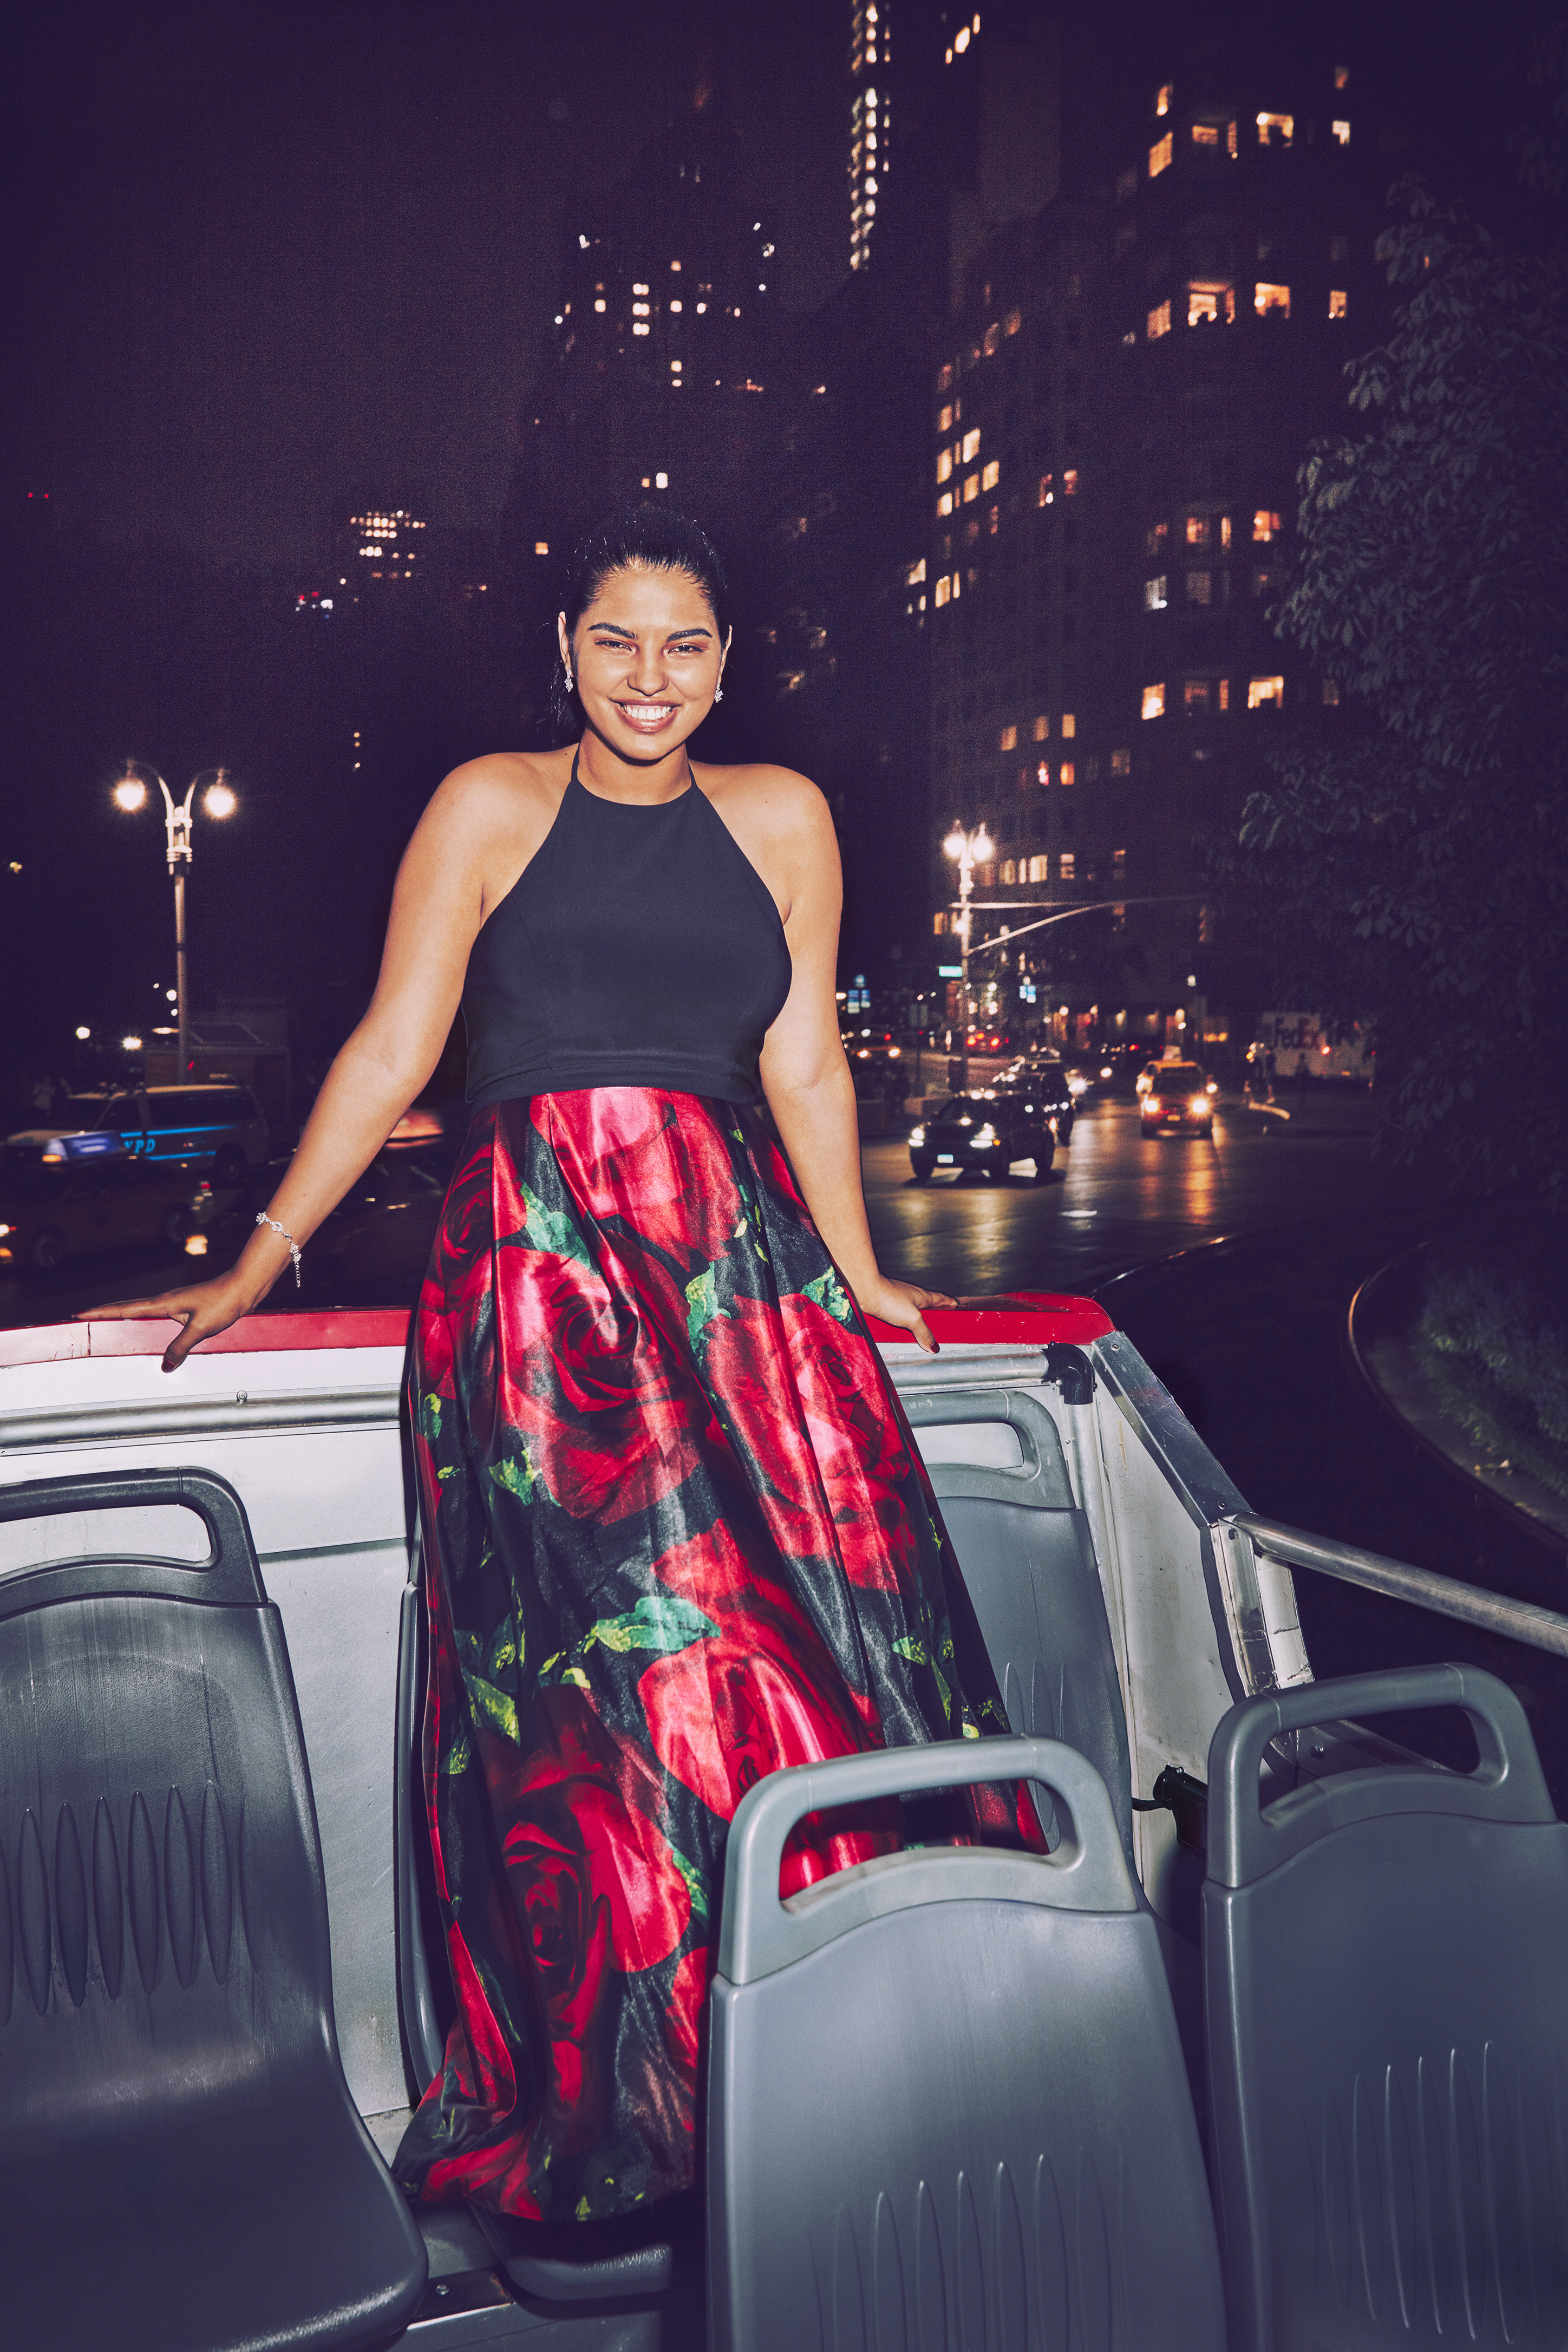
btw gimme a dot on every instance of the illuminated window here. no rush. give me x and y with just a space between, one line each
1158 323
1338 303
1261 583
1341 77
971 443
944 465
1012 323
1066 773
971 487
1118 866
1162 98
1200 587
1276 130
1197 530
1070 725
1208 299
1153 702
938 925
945 504
1042 729
1067 866
1045 495
1121 763
1266 299
1161 155
944 381
991 340
993 520
1126 185
639 289
1224 531
1039 869
1342 131
944 590
1224 693
990 477
661 481
1009 871
944 421
1260 690
1154 595
1196 697
638 328
600 303
1069 483
916 573
1205 134
1009 740
1330 693
1155 539
674 306
542 547
1265 524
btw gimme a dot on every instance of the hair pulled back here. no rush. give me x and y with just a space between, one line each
642 538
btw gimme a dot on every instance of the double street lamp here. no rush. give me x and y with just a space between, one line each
967 850
218 800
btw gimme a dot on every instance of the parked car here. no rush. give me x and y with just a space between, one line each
372 1250
218 1126
64 1195
990 1130
1181 1096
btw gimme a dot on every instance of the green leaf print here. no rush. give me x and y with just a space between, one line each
829 1292
516 1474
504 1650
911 1647
659 1623
547 1229
694 1885
430 1416
491 1705
458 1753
701 1307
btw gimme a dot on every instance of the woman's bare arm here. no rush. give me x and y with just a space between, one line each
437 910
804 1073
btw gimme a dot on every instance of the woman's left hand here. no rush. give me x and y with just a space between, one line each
902 1304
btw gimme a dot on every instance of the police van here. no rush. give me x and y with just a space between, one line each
218 1126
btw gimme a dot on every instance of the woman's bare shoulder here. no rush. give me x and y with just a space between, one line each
776 798
500 788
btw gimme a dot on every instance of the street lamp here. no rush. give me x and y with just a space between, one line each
218 800
967 850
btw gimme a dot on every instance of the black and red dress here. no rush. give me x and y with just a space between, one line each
677 1534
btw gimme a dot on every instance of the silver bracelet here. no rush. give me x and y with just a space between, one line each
263 1218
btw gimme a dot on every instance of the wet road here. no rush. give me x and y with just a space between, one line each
1115 1200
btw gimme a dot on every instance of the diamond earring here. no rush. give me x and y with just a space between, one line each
719 692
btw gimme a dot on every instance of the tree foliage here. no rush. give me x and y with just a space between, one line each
1417 846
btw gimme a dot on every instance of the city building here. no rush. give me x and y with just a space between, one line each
1119 405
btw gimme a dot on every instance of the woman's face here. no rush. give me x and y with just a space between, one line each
648 658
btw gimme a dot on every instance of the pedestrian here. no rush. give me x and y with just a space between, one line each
1268 1075
1303 1077
675 1532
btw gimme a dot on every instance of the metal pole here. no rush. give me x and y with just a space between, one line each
965 884
182 1015
1517 1620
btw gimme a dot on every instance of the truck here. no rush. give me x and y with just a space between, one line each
1289 1036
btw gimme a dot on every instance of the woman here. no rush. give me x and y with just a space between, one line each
675 1532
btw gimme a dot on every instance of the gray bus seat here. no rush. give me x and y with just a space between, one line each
181 2164
1028 1562
1383 1953
946 2103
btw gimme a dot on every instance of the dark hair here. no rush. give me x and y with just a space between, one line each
638 538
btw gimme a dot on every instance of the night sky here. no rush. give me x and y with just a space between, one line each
267 252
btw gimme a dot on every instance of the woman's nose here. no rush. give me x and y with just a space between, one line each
647 671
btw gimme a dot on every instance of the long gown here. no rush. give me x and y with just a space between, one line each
675 1536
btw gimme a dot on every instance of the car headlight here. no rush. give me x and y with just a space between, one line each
917 1135
983 1136
1199 1103
1151 1102
3 1230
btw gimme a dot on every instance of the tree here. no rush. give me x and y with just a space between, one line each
1418 850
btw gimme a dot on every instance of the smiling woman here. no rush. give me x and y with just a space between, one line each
675 1532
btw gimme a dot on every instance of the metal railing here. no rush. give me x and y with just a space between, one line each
1494 1612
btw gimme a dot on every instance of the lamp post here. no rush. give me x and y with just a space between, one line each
967 850
218 800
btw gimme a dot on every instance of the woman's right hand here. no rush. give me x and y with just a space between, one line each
202 1308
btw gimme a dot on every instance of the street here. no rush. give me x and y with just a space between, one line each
1114 1200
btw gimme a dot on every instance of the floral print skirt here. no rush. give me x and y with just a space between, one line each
675 1536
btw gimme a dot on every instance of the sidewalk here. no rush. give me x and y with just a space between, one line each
1382 1315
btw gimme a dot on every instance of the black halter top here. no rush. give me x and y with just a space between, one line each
639 947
